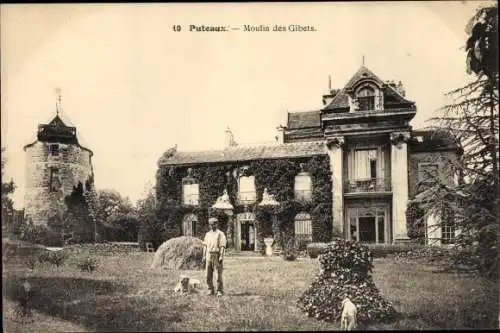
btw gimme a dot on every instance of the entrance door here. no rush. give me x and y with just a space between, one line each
246 232
367 229
247 237
368 224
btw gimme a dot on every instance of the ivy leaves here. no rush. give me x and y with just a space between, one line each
345 271
277 175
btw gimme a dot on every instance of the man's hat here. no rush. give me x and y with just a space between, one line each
212 220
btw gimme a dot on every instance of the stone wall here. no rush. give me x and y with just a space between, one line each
442 158
74 166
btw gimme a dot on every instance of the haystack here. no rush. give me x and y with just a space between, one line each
184 252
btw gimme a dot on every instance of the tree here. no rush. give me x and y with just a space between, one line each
117 215
473 120
147 216
8 189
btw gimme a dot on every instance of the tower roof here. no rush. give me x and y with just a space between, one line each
58 129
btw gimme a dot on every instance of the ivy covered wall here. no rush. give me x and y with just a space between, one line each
277 175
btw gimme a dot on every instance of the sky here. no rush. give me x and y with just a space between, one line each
134 87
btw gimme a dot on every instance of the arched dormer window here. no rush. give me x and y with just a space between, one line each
366 98
190 190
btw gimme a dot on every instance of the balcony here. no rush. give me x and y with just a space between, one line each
190 200
303 195
246 197
370 185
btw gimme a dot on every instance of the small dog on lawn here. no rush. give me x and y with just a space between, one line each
349 313
187 285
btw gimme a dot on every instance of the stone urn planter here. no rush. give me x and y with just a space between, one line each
269 246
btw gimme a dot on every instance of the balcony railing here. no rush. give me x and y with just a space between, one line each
190 199
247 197
367 185
303 195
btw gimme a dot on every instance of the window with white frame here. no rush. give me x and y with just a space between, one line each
189 225
247 193
365 164
303 187
303 228
447 227
190 194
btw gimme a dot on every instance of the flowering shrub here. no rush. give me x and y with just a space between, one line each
315 249
346 268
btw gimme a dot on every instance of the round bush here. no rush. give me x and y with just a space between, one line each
346 268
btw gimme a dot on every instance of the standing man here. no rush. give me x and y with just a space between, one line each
213 254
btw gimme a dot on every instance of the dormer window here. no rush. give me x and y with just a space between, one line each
54 150
247 193
303 187
190 190
366 99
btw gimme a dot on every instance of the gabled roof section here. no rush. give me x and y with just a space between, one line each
363 73
341 100
304 119
237 154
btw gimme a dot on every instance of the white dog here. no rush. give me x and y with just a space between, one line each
349 313
187 285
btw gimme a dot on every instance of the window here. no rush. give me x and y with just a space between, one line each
247 192
189 225
428 175
190 189
365 164
447 228
303 229
54 150
366 99
190 194
303 187
55 182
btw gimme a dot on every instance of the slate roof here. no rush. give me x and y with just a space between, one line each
304 119
341 100
432 140
57 124
233 154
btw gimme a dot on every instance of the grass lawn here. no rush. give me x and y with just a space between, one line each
123 294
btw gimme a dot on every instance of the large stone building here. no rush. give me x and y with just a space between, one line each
56 163
355 165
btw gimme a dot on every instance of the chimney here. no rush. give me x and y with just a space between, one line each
280 136
401 89
230 139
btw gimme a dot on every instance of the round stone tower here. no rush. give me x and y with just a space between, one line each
55 164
